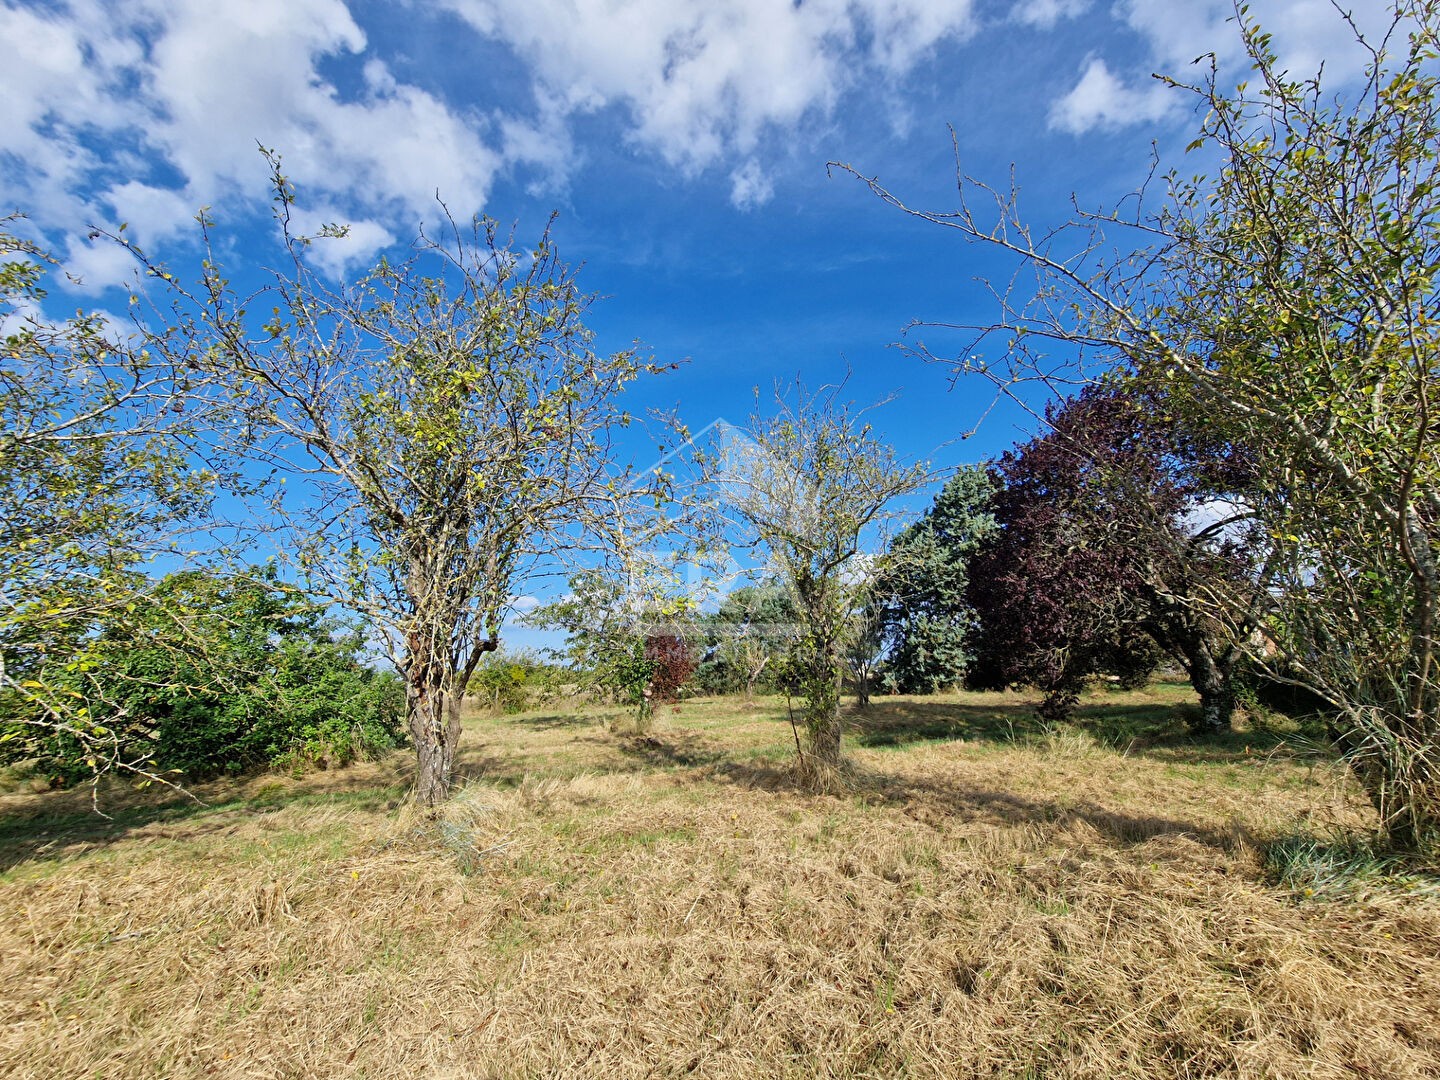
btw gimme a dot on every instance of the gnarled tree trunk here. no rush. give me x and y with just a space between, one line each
432 707
1210 675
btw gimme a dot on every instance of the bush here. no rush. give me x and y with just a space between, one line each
331 711
1259 692
235 673
512 683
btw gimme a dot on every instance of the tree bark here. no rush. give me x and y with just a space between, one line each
862 686
1211 678
819 766
432 705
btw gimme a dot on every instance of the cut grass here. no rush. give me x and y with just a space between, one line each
990 899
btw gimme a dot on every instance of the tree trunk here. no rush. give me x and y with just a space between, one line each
819 765
1211 679
432 706
862 686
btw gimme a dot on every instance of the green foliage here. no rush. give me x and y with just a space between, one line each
513 682
1297 321
95 479
1284 307
603 643
218 674
613 627
924 615
746 638
1344 869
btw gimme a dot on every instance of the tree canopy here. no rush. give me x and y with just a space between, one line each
1113 547
98 475
926 620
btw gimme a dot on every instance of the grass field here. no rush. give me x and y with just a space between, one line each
990 901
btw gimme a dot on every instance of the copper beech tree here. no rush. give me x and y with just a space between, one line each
448 428
1114 547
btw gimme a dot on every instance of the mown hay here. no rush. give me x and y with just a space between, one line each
971 908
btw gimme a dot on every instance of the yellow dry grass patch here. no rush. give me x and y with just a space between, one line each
597 904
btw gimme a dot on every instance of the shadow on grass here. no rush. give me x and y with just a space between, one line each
673 750
923 798
551 721
1157 730
901 723
49 833
938 803
610 752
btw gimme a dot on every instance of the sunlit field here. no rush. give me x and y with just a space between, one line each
991 899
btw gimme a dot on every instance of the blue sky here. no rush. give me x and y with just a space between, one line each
683 143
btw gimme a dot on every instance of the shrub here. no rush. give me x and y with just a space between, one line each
511 683
238 672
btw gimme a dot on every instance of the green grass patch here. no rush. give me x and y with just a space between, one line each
1345 868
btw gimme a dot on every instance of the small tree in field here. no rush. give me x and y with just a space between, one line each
672 664
750 633
1286 305
452 428
625 634
806 483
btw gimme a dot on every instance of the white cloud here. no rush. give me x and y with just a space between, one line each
1306 33
1100 100
703 80
226 76
1044 14
53 74
148 110
99 265
152 213
338 255
101 100
749 186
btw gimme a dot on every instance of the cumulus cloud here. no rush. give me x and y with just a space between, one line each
1307 34
145 112
702 80
340 255
1100 100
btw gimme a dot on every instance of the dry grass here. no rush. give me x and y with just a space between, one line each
988 901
